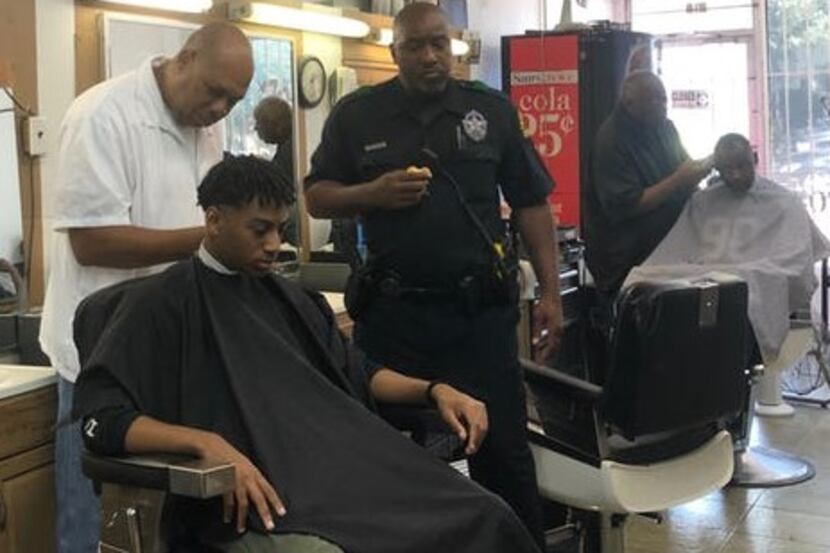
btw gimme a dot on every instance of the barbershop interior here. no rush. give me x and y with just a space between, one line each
414 276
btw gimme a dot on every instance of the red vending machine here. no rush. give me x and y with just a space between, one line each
564 85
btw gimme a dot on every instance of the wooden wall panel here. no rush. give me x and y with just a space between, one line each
18 47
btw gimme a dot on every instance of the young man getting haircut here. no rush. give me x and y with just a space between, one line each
219 358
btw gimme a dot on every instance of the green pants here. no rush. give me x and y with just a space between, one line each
252 542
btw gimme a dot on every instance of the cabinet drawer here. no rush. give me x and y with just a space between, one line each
27 502
27 420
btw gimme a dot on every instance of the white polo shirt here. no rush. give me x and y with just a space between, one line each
123 160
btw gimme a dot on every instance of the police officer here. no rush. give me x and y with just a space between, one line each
437 297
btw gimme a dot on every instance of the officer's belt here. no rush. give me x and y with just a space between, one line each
391 287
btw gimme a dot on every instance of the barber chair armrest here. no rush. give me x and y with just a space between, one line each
573 387
175 474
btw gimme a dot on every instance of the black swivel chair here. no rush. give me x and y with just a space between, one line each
647 431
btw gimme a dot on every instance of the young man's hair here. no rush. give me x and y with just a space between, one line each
236 181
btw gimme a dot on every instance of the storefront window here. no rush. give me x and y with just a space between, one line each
799 88
683 16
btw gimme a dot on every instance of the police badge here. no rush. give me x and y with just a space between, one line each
475 125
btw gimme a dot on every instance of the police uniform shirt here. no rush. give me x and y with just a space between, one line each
471 133
628 158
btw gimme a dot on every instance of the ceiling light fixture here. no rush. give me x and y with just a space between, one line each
188 6
296 18
384 37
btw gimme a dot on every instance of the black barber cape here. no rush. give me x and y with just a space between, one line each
262 362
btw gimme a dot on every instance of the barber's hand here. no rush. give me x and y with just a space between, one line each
466 415
399 189
251 486
548 324
693 171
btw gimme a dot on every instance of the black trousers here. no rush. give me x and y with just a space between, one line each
504 464
478 355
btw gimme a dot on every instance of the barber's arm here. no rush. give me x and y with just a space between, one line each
539 235
685 178
464 414
127 247
95 200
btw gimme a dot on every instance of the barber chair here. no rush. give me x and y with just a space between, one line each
136 494
136 491
646 430
765 467
769 398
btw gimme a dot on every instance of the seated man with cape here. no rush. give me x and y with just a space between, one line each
217 357
752 228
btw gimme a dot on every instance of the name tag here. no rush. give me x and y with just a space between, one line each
374 147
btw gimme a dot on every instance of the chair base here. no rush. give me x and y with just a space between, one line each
779 410
762 467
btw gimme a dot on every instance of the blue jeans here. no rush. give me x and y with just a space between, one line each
77 506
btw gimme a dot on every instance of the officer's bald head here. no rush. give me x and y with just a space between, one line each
413 14
209 75
644 97
421 48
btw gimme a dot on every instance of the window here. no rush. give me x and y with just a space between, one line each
684 16
799 86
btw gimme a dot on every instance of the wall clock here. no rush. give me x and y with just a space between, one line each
312 81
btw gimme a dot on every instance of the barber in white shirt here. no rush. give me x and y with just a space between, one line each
132 153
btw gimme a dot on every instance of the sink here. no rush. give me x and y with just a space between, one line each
17 379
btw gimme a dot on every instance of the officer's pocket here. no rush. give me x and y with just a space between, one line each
479 164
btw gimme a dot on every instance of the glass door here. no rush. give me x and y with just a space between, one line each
709 83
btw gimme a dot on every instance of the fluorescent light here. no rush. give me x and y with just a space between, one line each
189 6
296 18
384 37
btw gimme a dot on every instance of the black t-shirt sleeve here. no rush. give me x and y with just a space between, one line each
522 175
332 159
104 429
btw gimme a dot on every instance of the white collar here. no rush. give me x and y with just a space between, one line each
150 89
211 262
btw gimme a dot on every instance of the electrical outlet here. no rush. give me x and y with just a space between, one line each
34 136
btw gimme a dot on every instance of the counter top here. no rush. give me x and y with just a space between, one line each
18 379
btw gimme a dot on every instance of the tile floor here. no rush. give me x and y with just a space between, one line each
794 519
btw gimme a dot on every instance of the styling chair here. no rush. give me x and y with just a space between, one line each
760 466
769 400
137 492
644 430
